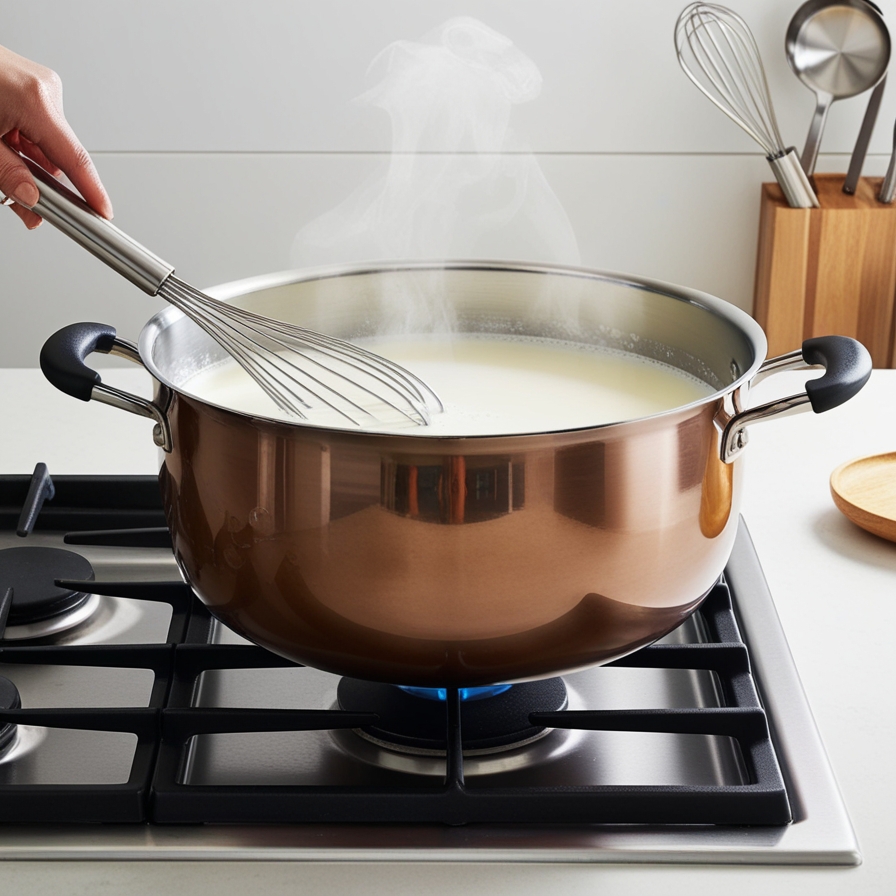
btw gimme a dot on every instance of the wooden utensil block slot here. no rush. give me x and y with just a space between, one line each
828 270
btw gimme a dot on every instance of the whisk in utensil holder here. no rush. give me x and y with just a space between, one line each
792 179
830 269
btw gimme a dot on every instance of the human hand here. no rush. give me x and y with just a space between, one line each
32 124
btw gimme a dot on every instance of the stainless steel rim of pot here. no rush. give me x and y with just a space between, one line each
688 329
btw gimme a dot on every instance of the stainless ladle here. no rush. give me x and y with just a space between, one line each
837 49
860 150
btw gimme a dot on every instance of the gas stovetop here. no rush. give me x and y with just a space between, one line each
122 701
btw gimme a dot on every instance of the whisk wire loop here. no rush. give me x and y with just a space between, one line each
289 369
725 51
265 349
248 360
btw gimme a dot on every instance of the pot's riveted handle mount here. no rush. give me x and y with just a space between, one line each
847 367
62 360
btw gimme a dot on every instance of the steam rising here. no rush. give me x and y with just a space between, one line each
458 184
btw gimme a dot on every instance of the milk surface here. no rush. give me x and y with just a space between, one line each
490 385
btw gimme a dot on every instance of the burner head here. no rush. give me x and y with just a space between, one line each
32 572
9 699
411 724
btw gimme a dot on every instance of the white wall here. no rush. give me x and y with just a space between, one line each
221 128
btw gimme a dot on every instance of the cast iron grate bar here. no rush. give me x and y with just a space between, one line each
191 660
725 658
145 537
66 804
181 724
195 658
86 502
178 594
455 805
140 721
157 657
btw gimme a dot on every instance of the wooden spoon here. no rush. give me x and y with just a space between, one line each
864 490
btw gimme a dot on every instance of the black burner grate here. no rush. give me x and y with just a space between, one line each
164 728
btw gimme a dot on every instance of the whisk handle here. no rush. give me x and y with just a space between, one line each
69 213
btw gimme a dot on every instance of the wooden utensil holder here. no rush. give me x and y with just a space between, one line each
830 270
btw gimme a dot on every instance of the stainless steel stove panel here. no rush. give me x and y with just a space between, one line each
61 756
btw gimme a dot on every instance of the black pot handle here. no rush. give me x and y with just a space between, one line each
847 368
63 362
64 353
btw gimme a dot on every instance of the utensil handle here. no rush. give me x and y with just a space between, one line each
888 187
793 180
62 360
847 367
69 213
860 150
810 150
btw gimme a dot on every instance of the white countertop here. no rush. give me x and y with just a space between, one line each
833 585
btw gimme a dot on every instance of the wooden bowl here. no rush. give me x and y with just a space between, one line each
864 490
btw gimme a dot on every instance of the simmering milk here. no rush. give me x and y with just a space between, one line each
492 385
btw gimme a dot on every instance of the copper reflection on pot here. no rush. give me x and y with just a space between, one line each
461 489
716 480
716 496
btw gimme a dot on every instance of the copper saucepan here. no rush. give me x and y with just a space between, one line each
442 561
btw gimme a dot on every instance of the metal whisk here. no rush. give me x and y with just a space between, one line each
290 362
296 367
717 51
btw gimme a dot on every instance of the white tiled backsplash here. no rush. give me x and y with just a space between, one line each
222 128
